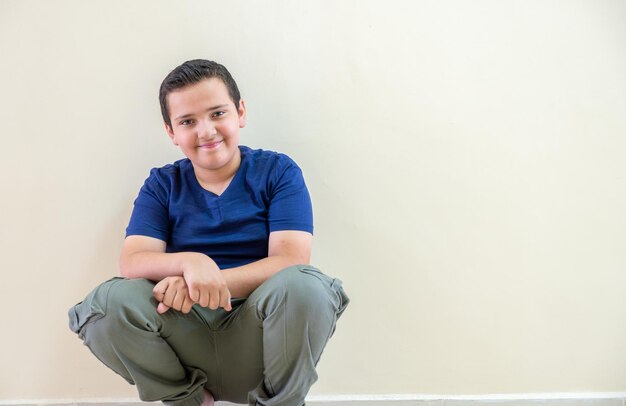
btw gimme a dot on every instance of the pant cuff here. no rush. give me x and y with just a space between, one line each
195 399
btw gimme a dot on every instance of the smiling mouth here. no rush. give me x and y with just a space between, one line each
210 145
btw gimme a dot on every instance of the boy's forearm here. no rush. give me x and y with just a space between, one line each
153 265
243 280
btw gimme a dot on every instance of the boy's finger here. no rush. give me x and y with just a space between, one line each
187 305
214 299
178 300
204 298
225 300
162 308
169 296
194 293
159 290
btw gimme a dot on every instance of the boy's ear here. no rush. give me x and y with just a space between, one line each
242 113
170 133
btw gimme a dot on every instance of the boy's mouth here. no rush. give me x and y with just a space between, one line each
210 145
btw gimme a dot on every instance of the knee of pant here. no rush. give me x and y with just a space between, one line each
111 303
309 289
127 302
130 295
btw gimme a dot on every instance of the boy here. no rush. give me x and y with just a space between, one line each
214 303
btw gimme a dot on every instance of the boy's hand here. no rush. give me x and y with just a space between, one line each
205 282
172 292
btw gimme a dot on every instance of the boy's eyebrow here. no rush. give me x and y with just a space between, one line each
220 106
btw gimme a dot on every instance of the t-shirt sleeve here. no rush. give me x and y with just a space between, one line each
290 204
150 213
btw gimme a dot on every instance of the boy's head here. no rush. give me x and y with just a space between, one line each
192 72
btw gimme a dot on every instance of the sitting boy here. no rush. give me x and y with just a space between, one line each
216 300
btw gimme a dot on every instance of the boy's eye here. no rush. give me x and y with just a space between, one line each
219 113
185 122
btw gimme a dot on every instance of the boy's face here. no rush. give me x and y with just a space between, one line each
206 123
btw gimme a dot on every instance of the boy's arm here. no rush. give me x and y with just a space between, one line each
286 248
145 257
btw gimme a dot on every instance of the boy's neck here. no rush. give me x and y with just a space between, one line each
217 180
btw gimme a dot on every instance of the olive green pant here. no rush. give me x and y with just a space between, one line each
263 352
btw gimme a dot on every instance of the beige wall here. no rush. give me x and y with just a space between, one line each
467 162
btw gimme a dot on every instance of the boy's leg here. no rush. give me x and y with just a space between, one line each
169 357
269 345
278 335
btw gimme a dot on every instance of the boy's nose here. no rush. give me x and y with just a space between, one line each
207 130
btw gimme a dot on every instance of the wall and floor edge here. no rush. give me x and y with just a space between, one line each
521 399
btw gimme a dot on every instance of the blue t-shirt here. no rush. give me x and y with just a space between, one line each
267 194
